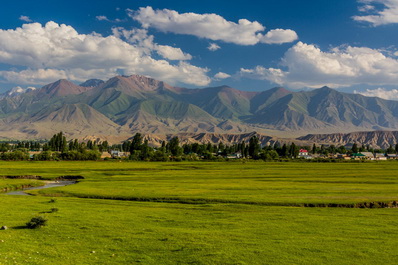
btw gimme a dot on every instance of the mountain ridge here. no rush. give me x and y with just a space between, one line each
124 105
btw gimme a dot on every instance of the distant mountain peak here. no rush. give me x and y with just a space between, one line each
62 87
279 90
134 84
92 83
326 88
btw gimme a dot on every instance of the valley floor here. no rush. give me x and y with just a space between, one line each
202 213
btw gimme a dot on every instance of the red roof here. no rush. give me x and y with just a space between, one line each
303 151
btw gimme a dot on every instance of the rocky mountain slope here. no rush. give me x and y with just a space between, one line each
376 139
124 105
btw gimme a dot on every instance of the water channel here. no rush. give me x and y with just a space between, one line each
48 185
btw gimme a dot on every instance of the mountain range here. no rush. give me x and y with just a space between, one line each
123 105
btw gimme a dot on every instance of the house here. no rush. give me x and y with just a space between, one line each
303 153
358 156
368 155
236 155
380 157
118 154
392 156
343 156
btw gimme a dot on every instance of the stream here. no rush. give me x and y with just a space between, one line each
51 184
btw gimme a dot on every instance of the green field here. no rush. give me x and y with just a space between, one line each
202 213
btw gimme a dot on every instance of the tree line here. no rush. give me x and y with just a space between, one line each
138 149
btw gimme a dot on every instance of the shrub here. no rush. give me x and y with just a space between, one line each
16 155
36 222
53 210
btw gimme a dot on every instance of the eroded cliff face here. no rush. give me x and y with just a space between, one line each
375 139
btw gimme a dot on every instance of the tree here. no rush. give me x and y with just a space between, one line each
313 149
136 143
390 150
269 155
254 147
242 148
362 148
294 151
89 144
145 150
58 142
354 148
341 149
284 152
332 149
174 147
104 146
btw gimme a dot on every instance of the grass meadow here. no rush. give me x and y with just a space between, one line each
202 213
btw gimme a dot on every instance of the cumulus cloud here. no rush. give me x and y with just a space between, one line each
305 65
221 76
172 53
25 18
387 15
279 36
209 26
213 47
56 51
380 93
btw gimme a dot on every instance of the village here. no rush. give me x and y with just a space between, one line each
139 149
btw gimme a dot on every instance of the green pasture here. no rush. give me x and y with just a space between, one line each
202 213
256 183
10 185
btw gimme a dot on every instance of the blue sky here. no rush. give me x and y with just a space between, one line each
350 45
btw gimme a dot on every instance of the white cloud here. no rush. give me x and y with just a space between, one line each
209 26
213 47
366 8
141 38
172 53
56 51
259 72
19 90
29 76
102 18
221 76
279 36
388 15
380 93
25 18
307 66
